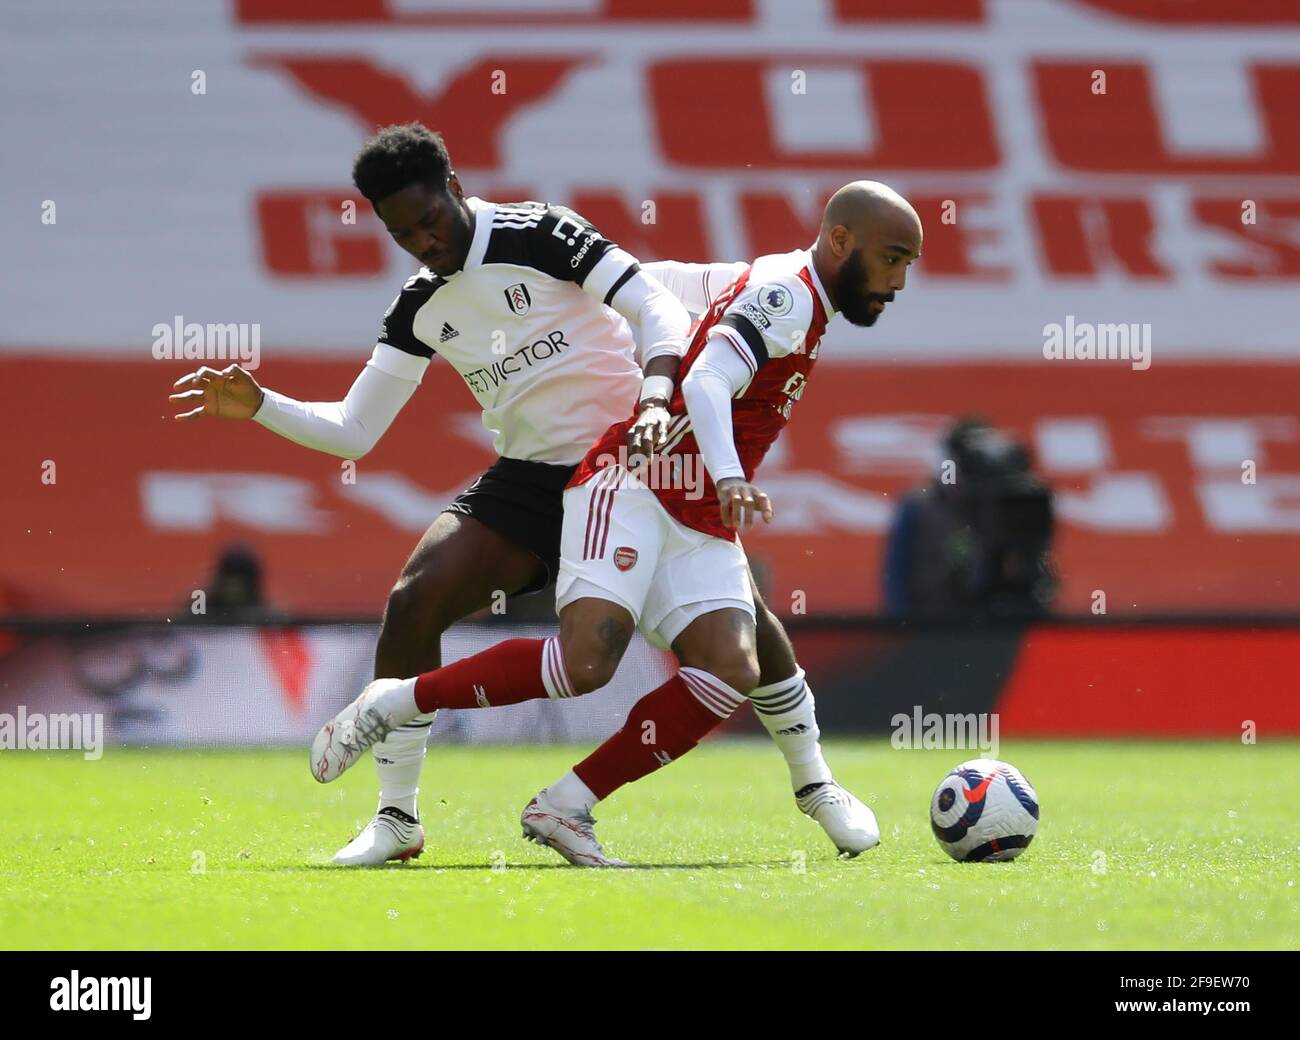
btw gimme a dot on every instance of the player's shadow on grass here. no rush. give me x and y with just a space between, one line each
721 865
506 867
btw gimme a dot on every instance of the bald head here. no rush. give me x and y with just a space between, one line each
869 236
860 205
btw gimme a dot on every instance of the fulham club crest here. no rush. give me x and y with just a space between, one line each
518 299
624 557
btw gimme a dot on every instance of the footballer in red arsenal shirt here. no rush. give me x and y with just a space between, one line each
773 317
643 546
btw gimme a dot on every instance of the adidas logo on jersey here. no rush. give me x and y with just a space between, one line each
447 332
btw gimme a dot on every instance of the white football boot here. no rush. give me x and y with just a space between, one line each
354 730
846 821
569 833
392 834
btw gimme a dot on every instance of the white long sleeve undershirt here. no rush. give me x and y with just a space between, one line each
715 377
696 285
661 324
351 427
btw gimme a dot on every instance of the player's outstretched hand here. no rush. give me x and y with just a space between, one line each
650 429
230 393
741 501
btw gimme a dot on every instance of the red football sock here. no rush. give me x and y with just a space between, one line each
663 725
510 672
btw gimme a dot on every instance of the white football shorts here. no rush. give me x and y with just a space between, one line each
618 543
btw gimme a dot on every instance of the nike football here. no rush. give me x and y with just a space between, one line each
984 810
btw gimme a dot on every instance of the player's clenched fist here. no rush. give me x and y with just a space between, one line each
230 393
741 501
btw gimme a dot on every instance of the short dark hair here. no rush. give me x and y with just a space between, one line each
399 156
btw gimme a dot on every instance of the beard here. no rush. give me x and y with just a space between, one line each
853 299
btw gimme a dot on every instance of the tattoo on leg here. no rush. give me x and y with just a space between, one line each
614 638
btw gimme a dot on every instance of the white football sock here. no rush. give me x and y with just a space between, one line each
788 712
398 760
398 701
571 794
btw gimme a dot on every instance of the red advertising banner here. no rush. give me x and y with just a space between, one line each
1154 682
1177 489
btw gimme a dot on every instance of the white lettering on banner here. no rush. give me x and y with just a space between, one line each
1074 453
1072 445
1117 502
1174 251
1270 506
1223 442
905 443
908 444
845 90
1180 92
400 501
198 501
810 502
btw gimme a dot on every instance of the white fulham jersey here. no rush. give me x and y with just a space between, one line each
525 324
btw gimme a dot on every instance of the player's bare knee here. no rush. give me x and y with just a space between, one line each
589 667
591 676
737 668
591 657
415 608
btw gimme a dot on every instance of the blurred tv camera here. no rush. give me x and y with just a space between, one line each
974 541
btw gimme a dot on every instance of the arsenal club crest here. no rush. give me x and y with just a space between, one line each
624 558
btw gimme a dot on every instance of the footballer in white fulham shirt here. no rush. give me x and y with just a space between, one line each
534 309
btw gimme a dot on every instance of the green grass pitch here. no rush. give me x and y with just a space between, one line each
1141 845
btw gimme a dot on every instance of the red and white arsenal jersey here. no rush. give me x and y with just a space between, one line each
773 315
